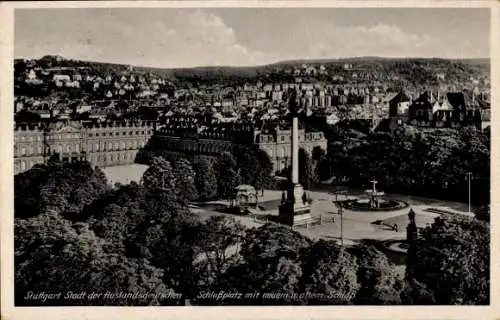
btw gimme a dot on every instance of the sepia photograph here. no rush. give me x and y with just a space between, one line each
251 156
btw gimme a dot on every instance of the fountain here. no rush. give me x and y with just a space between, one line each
375 201
374 195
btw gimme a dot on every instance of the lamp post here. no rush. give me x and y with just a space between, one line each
341 213
469 177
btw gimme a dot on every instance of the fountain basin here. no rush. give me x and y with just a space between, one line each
383 205
397 246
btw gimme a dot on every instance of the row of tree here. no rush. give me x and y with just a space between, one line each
217 176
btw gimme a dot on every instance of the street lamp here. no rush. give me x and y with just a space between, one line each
341 213
469 178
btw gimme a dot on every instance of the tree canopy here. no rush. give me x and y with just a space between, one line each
450 263
228 175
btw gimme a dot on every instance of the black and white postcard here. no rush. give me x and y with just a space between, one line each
263 158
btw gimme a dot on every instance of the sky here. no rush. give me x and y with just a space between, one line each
188 37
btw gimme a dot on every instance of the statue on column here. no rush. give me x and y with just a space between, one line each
411 217
293 105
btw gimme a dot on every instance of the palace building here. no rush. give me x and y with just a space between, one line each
193 137
102 144
276 143
117 143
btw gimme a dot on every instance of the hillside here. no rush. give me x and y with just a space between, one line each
411 71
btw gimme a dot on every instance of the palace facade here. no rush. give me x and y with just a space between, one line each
117 143
194 138
102 144
277 144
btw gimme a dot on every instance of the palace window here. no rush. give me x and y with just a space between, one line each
23 166
23 151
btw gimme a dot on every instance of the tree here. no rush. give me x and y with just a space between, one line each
228 175
329 274
379 283
450 263
305 169
185 178
166 236
53 255
264 175
317 154
271 263
247 162
58 186
115 215
218 239
159 175
319 169
205 178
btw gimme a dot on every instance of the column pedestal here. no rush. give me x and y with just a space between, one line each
294 211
